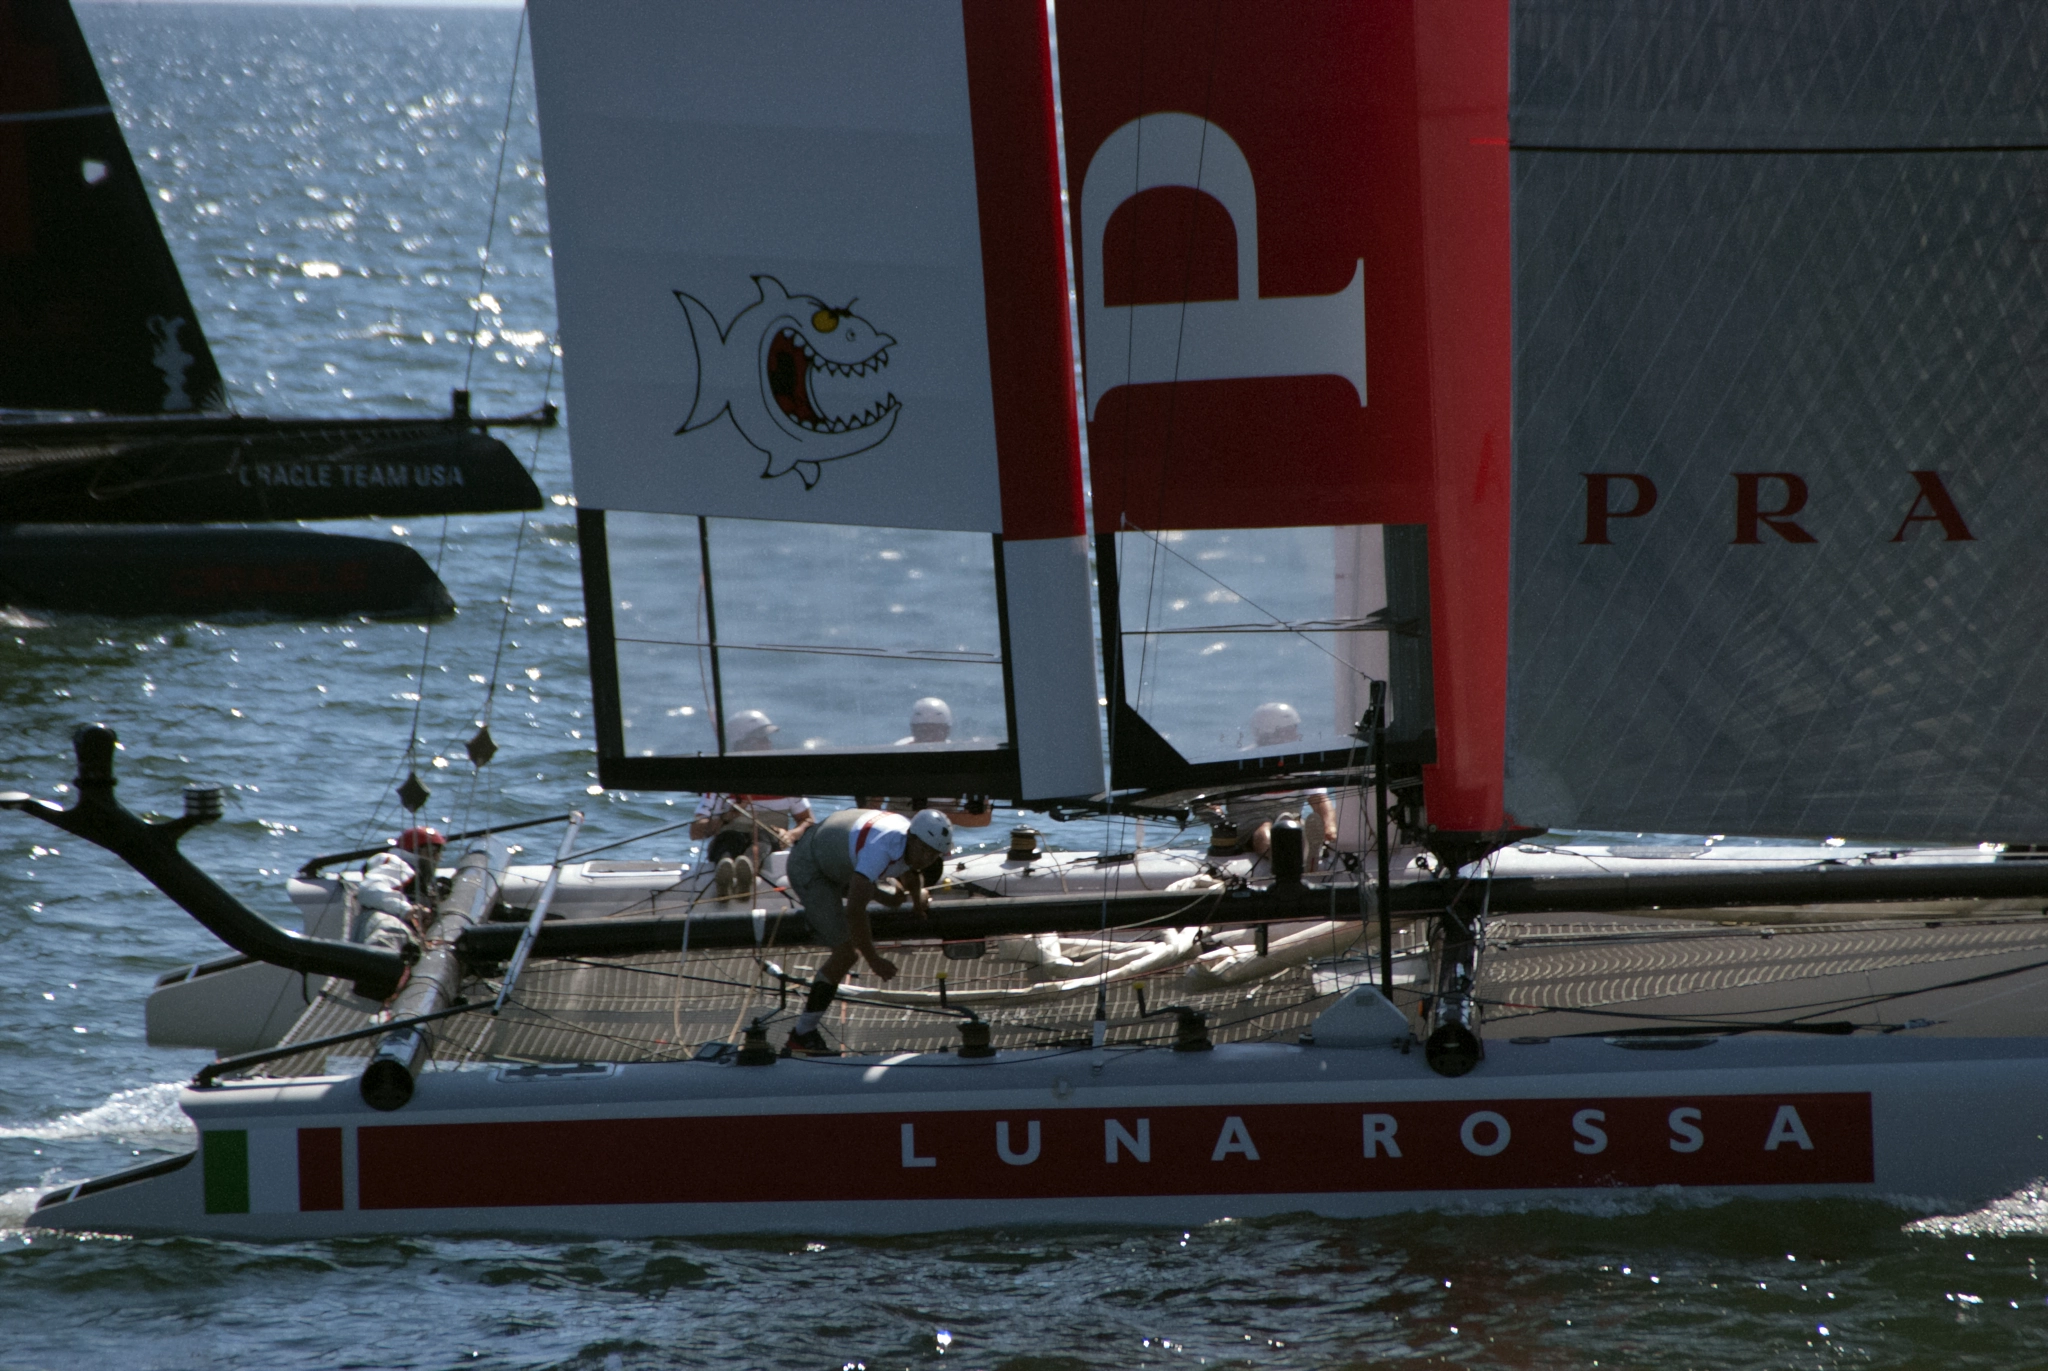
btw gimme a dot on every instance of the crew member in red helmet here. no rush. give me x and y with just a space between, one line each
397 890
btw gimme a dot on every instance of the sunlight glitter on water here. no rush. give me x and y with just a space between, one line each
2022 1214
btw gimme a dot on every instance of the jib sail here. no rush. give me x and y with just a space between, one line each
811 281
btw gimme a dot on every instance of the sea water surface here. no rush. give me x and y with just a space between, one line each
326 177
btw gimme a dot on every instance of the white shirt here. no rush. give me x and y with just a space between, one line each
383 887
877 847
784 811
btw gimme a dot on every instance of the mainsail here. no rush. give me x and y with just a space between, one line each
1291 231
1779 420
810 271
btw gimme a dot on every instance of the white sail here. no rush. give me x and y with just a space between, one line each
810 274
1780 428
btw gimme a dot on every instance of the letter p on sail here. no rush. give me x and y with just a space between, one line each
1600 497
1203 340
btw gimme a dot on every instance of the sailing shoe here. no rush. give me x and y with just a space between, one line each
743 877
728 873
811 1044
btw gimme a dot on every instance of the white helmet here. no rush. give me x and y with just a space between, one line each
1274 723
931 720
748 730
933 829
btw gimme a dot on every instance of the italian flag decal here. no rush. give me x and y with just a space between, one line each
271 1170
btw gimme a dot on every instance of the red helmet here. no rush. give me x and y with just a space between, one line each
413 839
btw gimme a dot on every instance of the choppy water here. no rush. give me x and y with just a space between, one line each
279 138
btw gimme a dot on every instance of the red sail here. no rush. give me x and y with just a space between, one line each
1292 242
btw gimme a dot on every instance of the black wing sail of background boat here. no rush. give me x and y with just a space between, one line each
113 411
93 313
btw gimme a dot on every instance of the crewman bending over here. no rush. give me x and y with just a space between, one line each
854 857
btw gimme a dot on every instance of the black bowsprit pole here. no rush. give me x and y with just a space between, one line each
1379 790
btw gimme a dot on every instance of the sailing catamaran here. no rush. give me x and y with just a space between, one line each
1355 287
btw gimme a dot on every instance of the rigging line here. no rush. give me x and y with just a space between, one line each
547 391
939 655
1787 150
697 634
590 852
1280 625
1179 337
603 965
483 267
419 697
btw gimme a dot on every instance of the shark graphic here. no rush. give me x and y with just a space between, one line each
800 379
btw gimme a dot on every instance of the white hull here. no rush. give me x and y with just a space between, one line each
911 1144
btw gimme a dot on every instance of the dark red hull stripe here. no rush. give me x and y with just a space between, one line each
1797 1139
320 1184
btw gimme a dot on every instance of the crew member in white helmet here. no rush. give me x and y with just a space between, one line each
931 721
1275 724
742 829
851 859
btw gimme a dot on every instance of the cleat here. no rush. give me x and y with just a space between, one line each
743 877
726 879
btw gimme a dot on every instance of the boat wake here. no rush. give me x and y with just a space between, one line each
15 1207
147 1113
2024 1213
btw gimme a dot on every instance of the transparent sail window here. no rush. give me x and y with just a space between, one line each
832 633
1245 643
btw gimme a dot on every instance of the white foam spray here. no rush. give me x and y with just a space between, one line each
148 1113
2024 1213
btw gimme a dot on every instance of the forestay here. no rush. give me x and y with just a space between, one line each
1780 432
1291 238
813 297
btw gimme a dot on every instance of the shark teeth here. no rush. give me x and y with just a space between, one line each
867 419
872 366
